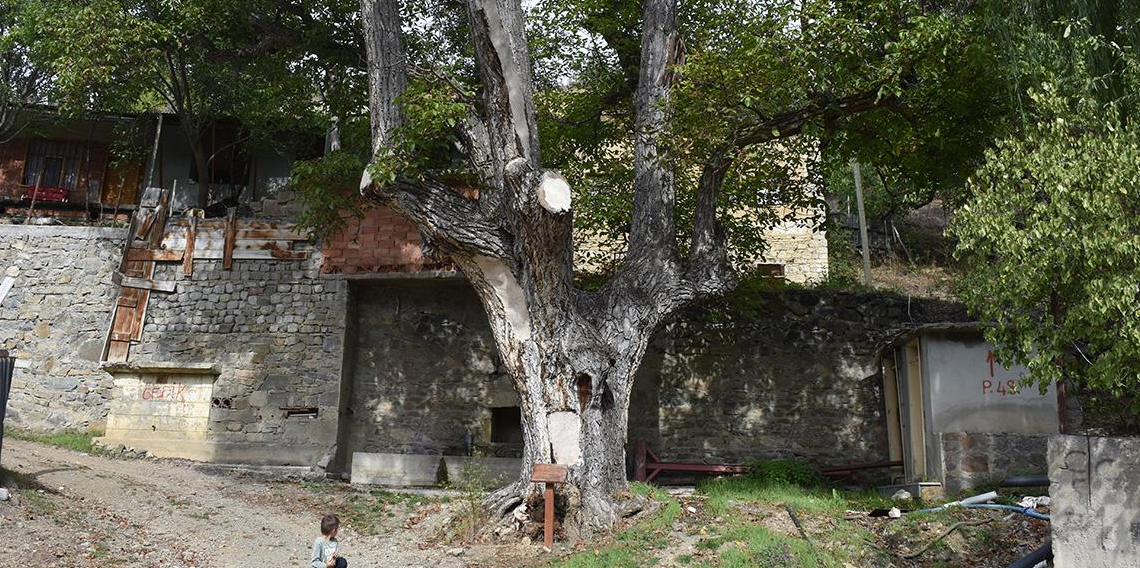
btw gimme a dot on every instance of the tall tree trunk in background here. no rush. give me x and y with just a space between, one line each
201 165
572 354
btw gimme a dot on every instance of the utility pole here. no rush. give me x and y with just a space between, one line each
862 223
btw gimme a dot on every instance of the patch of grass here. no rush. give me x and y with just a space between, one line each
76 440
634 547
748 544
725 491
785 472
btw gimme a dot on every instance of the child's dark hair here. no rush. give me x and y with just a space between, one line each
329 523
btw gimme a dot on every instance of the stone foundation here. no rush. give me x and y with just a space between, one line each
973 459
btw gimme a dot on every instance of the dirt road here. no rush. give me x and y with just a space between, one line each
75 510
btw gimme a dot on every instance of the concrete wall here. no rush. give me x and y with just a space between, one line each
968 392
1095 487
54 321
976 459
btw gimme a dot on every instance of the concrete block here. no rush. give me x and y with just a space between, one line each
495 472
402 470
1095 487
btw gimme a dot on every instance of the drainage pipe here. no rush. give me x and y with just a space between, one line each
1022 510
1033 558
1026 481
967 501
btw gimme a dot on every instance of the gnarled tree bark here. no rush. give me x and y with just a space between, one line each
572 354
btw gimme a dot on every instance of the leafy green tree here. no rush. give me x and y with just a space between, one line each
1050 235
23 74
206 60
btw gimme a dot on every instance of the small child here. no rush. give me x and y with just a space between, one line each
325 553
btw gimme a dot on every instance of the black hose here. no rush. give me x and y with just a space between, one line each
1026 481
1033 558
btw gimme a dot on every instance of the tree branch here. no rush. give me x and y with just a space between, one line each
708 255
504 66
451 222
387 68
652 233
791 123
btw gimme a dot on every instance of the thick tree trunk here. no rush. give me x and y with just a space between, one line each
571 354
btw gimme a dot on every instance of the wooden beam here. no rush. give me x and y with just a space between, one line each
188 256
141 283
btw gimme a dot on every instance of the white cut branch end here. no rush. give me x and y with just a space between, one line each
365 179
554 193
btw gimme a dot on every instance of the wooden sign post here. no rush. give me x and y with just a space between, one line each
550 474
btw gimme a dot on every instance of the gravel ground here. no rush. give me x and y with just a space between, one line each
73 510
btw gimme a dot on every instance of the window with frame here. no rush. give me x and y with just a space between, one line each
52 164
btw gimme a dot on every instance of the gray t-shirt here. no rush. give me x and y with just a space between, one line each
322 551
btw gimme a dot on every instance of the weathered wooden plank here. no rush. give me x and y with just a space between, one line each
141 283
145 225
188 255
284 234
160 212
139 313
253 254
202 243
150 255
549 473
231 234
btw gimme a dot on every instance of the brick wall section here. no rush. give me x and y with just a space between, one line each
275 330
383 241
972 460
54 320
12 156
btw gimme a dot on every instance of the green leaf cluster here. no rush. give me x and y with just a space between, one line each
1051 233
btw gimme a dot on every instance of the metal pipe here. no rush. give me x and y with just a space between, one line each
1026 481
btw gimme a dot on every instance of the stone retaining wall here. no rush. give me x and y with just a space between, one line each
973 459
54 321
780 374
274 331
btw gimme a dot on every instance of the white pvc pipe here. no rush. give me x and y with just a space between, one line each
979 498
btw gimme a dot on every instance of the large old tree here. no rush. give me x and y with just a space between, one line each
573 353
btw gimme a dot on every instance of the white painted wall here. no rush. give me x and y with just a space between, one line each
965 390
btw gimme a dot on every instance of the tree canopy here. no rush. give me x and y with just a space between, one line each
24 72
1049 234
